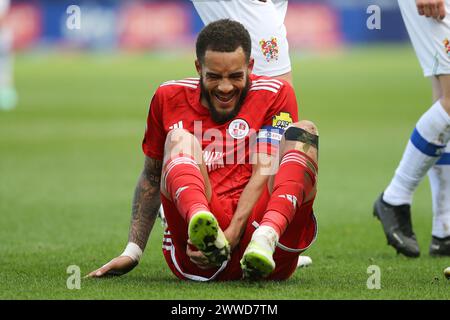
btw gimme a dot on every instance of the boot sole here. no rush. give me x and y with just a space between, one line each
203 232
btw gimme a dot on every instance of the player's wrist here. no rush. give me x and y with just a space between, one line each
234 234
132 251
237 226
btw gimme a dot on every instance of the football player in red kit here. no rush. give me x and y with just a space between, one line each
234 169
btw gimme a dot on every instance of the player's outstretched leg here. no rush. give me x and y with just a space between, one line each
426 145
185 182
293 185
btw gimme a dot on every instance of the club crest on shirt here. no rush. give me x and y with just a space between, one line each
282 120
447 46
269 48
238 128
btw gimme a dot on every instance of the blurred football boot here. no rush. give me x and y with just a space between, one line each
440 246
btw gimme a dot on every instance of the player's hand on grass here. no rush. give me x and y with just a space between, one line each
116 267
198 258
431 8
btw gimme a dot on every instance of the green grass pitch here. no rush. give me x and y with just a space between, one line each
70 156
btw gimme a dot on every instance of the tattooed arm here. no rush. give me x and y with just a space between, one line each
146 204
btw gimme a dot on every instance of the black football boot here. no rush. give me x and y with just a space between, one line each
440 246
397 226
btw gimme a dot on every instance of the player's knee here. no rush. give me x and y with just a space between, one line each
177 137
180 141
306 125
302 136
177 133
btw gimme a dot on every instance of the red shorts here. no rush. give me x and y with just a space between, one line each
299 235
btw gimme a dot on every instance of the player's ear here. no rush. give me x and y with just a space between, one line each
198 66
251 64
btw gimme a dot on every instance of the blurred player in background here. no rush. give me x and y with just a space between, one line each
8 96
428 150
228 181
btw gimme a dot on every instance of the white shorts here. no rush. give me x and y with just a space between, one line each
4 6
265 23
430 38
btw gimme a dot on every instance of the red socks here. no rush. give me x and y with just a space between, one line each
294 180
186 186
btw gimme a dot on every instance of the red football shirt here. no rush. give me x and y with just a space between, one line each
270 106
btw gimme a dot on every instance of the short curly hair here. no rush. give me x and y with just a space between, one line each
223 36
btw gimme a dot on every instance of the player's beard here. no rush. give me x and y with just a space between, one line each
218 117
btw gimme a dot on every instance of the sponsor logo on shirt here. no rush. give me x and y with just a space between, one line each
238 128
269 48
282 120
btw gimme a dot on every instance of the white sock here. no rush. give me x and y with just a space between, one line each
439 176
6 60
267 237
424 148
